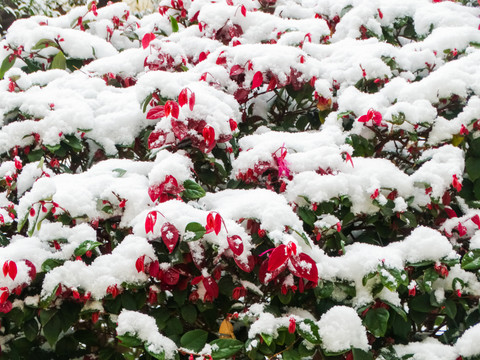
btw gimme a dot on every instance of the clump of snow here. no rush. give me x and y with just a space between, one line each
144 327
341 328
468 345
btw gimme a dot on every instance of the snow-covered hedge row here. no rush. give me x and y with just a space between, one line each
258 179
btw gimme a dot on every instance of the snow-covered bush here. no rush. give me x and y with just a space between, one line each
260 179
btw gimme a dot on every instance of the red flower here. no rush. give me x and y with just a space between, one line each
292 325
113 290
183 98
208 133
412 291
373 115
233 124
441 269
95 316
374 195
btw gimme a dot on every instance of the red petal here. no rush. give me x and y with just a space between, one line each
229 2
233 125
182 98
278 257
12 269
243 9
4 296
5 268
257 80
156 139
140 264
210 223
196 280
218 224
191 101
6 307
169 236
156 112
236 244
147 38
305 267
150 221
272 84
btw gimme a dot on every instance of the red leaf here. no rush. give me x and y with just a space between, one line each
257 80
476 220
451 213
140 264
154 269
171 276
236 70
183 97
4 295
172 108
156 139
210 226
180 129
12 269
33 271
169 236
208 133
233 125
278 257
248 267
191 101
150 221
218 224
154 191
6 307
211 286
243 9
156 112
147 38
265 276
305 267
272 84
230 2
196 280
5 268
236 244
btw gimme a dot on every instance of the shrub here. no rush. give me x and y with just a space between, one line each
242 179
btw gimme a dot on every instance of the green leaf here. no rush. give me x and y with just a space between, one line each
308 329
129 340
450 309
291 354
189 313
120 172
22 222
52 328
376 321
43 43
50 264
194 231
59 61
267 338
194 340
74 143
30 329
359 354
472 166
307 215
192 190
174 24
159 356
6 65
87 245
225 348
471 260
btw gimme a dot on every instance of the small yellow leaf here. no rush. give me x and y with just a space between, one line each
457 139
226 330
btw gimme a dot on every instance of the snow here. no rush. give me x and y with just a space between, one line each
467 345
337 335
142 326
